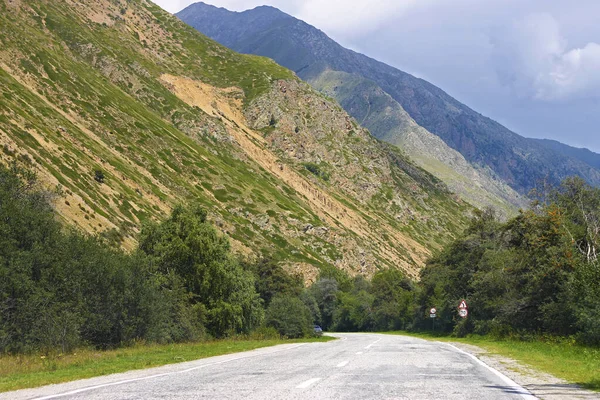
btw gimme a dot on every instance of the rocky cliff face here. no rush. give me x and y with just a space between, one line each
125 111
491 149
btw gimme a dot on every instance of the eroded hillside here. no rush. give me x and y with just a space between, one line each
388 121
126 111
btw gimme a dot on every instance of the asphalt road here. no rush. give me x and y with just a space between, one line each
358 366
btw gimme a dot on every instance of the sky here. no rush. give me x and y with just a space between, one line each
532 65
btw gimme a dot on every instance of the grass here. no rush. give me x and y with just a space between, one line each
562 358
148 140
26 371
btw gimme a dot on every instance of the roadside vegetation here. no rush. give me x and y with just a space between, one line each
536 274
62 293
31 370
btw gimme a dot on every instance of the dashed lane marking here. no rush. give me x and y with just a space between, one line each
309 382
374 343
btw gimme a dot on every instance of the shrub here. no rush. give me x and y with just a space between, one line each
315 169
99 176
289 316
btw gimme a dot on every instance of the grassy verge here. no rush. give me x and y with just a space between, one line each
561 358
26 371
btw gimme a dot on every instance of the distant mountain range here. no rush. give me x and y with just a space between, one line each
476 156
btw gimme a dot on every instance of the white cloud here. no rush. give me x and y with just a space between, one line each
354 18
534 59
336 17
576 74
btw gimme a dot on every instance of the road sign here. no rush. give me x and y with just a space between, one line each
433 310
463 310
432 315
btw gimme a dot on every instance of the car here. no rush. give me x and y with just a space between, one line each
318 330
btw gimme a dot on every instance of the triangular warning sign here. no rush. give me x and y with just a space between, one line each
463 304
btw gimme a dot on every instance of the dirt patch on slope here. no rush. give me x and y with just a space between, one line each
227 104
72 207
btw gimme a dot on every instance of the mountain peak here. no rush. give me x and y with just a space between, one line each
519 162
239 24
263 10
266 8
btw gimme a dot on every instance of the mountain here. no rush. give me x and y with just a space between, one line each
124 111
585 155
491 149
384 116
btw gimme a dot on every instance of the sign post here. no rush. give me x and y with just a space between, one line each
463 309
432 315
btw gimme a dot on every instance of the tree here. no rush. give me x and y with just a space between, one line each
99 176
354 312
189 246
272 279
325 293
393 300
290 316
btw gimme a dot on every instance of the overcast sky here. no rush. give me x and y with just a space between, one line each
532 65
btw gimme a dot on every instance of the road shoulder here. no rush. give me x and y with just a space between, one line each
540 384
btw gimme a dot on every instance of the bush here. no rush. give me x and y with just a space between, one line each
60 289
264 333
190 247
99 176
289 316
316 170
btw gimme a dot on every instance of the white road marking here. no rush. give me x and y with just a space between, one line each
517 388
374 343
360 352
309 382
86 389
343 364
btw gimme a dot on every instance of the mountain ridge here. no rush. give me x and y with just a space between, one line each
124 112
522 163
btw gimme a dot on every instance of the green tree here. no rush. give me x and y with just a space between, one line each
393 305
354 312
325 293
191 247
271 279
290 316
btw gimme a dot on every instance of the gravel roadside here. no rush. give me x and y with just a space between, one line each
541 385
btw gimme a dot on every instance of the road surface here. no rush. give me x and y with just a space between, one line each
358 366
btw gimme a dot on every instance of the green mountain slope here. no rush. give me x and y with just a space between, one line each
385 117
127 111
519 162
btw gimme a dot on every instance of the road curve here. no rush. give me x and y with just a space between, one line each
358 366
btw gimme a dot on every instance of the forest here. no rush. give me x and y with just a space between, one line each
537 273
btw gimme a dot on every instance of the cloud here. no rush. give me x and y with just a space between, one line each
533 65
533 58
349 18
352 18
